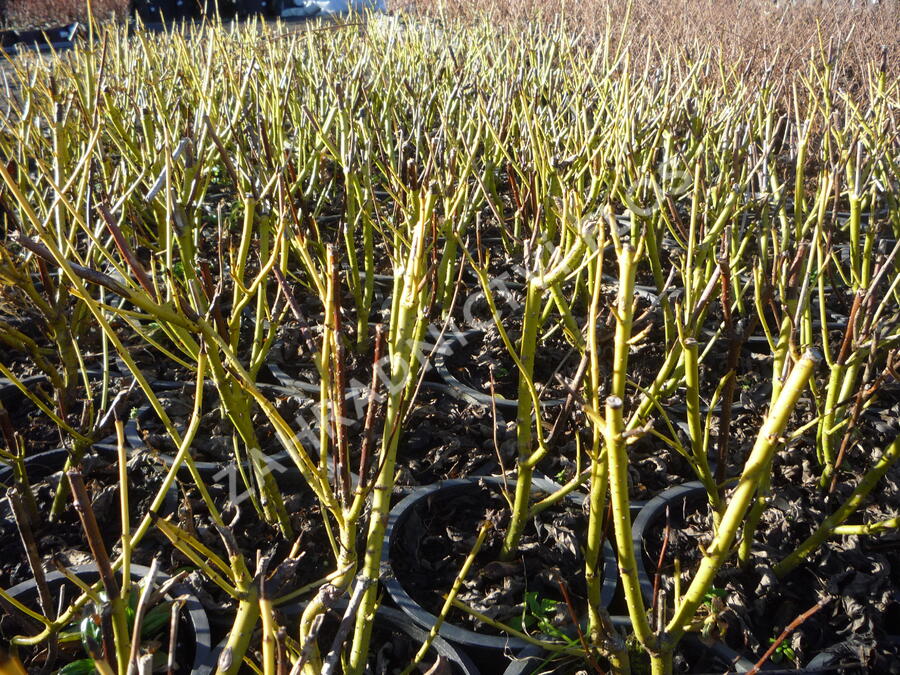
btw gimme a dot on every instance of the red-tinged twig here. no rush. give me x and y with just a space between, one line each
294 306
369 425
659 562
281 659
46 281
92 533
494 422
139 272
886 266
847 344
226 159
676 218
706 296
573 615
341 457
213 296
733 352
571 395
790 628
859 398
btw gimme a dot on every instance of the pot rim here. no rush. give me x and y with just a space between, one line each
456 634
653 511
465 392
194 614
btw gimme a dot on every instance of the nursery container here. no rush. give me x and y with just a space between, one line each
465 392
675 499
280 463
481 643
194 629
45 464
396 621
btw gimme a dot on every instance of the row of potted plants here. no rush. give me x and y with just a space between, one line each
265 304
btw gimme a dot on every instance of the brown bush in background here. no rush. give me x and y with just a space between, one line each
752 34
42 13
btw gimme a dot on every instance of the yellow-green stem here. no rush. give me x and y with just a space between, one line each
232 656
866 485
767 442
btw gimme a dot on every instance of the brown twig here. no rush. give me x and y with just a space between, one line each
281 660
369 425
659 562
341 458
23 523
92 533
34 562
573 615
790 628
171 666
129 256
85 273
572 393
295 310
494 427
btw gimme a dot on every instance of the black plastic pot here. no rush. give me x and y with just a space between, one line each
680 497
397 621
758 343
292 383
264 7
194 628
45 464
13 399
9 391
533 659
312 388
469 640
8 38
38 466
684 498
464 392
280 463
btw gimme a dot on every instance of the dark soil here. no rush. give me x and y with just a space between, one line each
65 538
294 563
445 438
859 577
691 656
38 432
432 545
485 357
294 355
213 442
